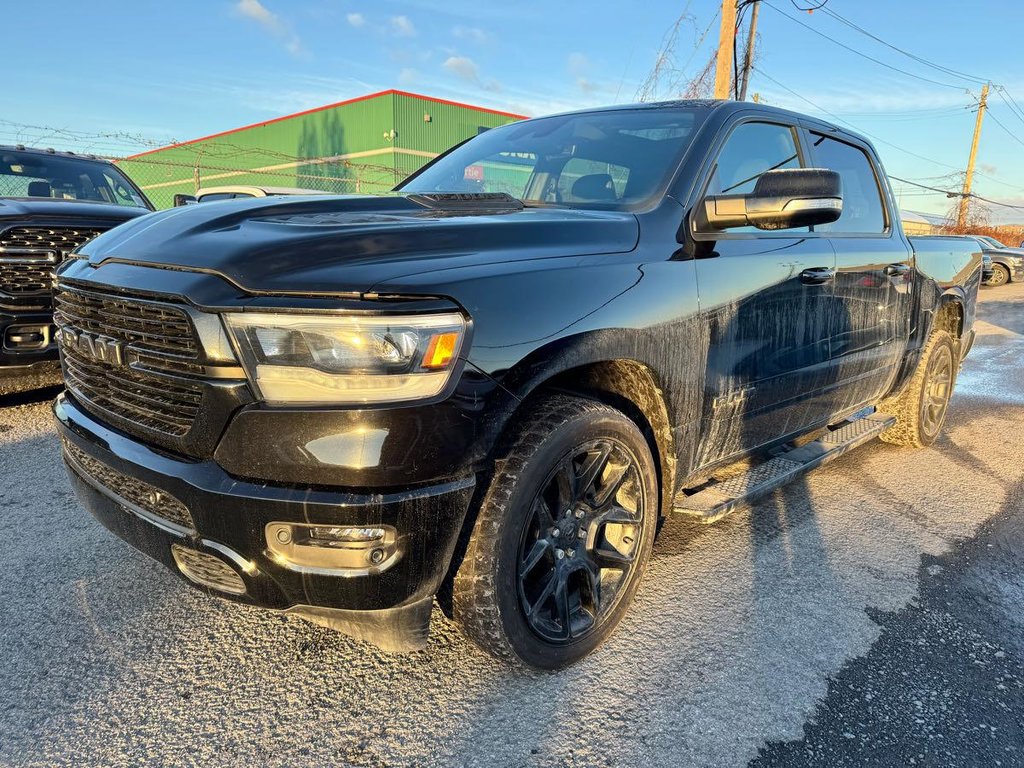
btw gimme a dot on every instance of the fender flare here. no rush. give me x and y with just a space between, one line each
957 297
612 363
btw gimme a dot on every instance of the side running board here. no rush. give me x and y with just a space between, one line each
721 495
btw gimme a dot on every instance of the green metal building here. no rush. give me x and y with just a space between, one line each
362 145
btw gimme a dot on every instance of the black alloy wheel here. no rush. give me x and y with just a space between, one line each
580 542
564 531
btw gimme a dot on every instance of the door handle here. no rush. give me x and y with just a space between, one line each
817 275
897 270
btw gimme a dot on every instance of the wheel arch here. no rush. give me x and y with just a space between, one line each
950 313
630 387
624 383
1007 267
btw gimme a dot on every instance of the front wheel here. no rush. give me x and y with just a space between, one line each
562 538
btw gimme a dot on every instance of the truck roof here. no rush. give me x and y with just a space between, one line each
50 151
726 107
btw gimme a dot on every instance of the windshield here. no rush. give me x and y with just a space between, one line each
993 242
59 177
619 159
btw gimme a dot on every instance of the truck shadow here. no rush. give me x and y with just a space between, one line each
31 396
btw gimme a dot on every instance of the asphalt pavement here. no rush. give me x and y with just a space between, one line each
869 614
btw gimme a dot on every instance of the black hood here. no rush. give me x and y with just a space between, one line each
323 245
49 209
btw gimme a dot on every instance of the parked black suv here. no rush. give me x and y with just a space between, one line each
50 203
490 386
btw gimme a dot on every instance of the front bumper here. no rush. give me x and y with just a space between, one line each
27 338
229 519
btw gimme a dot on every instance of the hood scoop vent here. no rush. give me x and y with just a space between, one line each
475 202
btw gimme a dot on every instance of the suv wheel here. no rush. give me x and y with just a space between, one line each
562 538
920 409
1000 275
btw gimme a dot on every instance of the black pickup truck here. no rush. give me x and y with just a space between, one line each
490 386
50 203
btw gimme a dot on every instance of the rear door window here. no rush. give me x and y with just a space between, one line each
863 211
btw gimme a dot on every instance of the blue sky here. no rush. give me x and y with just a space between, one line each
149 73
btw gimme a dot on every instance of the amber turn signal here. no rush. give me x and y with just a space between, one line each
440 350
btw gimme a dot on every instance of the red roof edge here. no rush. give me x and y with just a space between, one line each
367 97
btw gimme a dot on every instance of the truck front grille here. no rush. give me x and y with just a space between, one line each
147 325
130 360
133 395
140 496
29 255
64 239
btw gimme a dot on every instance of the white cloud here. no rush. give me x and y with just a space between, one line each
885 94
466 69
356 19
589 87
303 92
403 26
578 66
408 76
472 34
578 63
463 67
270 21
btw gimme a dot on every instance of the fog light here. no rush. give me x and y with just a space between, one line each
335 536
334 549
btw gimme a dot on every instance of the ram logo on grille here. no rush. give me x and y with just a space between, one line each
93 346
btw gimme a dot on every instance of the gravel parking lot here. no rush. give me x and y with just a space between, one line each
870 613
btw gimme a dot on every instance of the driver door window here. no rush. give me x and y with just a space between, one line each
751 150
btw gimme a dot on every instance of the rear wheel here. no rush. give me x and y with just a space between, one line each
1000 275
562 537
920 409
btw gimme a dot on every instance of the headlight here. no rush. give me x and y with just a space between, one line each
323 360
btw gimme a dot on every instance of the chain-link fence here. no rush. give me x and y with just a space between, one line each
161 178
185 169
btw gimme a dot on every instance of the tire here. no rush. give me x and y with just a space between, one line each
514 595
920 408
1000 275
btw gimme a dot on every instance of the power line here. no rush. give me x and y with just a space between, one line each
1003 93
842 120
950 193
875 136
822 4
1010 133
861 54
1009 101
914 56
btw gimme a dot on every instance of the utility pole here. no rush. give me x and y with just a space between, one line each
748 60
965 198
726 40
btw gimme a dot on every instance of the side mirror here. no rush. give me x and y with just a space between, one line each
784 198
180 200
